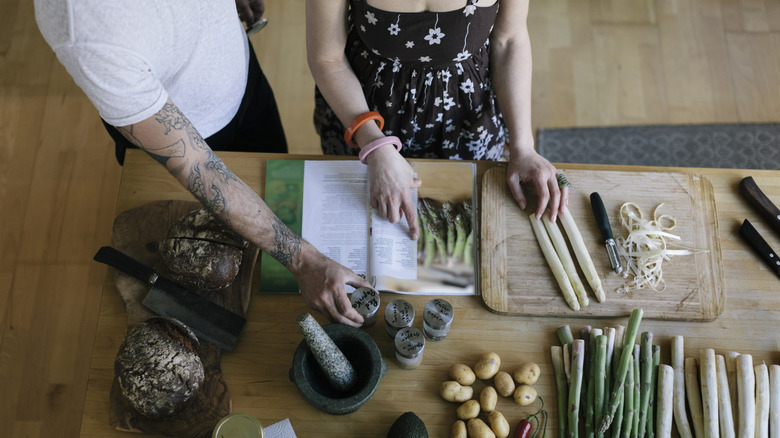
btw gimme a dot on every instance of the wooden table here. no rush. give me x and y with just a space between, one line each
257 369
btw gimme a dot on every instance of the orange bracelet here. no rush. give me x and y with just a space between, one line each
358 122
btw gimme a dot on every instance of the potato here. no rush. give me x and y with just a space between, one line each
504 384
455 392
488 399
527 373
462 374
487 366
459 429
478 429
498 424
525 395
468 410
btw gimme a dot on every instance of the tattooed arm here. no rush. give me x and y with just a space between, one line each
172 140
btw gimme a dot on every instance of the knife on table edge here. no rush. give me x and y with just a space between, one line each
207 319
759 245
760 201
602 220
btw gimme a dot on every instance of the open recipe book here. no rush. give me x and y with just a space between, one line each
327 203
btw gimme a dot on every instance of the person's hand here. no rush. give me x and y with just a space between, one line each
530 166
322 282
249 11
391 179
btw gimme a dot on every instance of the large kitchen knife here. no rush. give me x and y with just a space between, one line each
759 245
210 321
602 220
753 193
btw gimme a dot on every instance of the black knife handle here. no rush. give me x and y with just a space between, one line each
764 205
602 220
119 260
759 245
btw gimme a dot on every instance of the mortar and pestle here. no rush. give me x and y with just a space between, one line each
336 368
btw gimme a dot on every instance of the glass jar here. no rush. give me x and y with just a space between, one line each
437 318
398 314
409 346
366 301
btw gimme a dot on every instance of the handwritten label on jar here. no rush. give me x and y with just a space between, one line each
398 314
409 345
366 301
437 318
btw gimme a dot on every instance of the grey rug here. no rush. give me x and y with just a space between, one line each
738 146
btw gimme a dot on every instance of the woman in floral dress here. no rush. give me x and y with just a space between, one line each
436 70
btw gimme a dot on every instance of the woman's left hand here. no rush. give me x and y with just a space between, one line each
530 166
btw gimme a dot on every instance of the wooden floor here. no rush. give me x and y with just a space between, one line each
596 62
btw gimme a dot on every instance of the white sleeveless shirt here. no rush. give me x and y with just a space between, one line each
130 56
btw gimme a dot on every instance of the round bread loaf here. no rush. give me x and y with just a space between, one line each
158 368
201 252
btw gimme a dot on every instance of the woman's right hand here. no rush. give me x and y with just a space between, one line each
391 179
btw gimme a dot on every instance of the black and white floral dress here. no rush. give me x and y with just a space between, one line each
428 74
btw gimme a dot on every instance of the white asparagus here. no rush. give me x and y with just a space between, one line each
559 243
724 399
762 400
709 392
582 254
693 394
680 412
774 404
731 372
665 404
746 389
554 262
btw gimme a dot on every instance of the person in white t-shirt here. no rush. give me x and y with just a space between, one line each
180 80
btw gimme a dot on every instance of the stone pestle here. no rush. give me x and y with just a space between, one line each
332 361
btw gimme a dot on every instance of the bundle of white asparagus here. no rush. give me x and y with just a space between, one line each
556 252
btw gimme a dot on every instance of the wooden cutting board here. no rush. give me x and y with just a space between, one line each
516 280
136 232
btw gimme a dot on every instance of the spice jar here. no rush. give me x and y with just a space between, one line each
366 301
409 345
437 318
398 314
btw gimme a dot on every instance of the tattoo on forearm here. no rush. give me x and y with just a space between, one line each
288 244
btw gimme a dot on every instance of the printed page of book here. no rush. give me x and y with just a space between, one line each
335 211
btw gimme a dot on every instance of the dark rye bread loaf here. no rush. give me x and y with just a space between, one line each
201 252
158 368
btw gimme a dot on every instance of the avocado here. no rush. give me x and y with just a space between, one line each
408 425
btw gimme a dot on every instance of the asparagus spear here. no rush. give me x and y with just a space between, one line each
724 399
620 376
694 395
628 401
578 350
665 400
562 386
680 413
653 392
600 377
709 392
646 376
746 389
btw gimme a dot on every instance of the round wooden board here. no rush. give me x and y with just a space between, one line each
136 232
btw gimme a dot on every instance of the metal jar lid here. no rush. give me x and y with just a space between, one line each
409 342
399 313
366 301
438 314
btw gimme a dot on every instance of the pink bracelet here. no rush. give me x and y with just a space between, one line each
374 145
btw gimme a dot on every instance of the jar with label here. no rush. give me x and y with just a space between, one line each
366 301
437 318
398 314
409 345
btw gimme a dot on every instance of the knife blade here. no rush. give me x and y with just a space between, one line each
602 220
210 321
760 246
760 202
